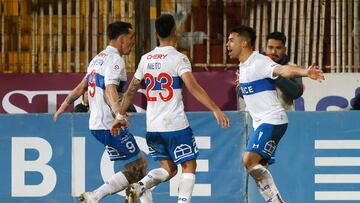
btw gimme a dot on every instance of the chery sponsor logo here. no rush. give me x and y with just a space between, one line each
14 101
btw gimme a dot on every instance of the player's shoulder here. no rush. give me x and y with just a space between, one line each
260 59
178 57
116 59
259 56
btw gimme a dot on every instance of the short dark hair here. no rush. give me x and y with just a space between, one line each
114 30
247 32
164 24
277 36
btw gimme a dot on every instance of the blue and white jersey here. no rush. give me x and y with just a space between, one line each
108 67
161 69
258 87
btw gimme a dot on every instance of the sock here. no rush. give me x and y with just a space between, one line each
116 183
154 177
266 184
146 197
186 186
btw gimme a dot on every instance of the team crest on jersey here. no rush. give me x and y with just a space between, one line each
270 147
182 151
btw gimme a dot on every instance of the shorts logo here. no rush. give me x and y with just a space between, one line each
270 147
113 153
181 151
151 150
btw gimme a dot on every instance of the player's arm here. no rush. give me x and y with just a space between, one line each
125 103
290 71
199 93
72 96
128 97
112 98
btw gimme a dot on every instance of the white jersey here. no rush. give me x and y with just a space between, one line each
161 69
258 87
108 67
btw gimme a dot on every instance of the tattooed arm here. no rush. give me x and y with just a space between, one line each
112 98
72 96
129 95
126 102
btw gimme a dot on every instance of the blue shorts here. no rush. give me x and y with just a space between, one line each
121 147
178 146
265 140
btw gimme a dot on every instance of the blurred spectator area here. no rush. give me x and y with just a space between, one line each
63 35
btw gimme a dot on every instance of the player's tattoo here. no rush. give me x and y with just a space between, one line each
135 171
134 86
85 85
71 98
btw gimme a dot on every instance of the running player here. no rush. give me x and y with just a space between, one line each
257 73
169 137
105 73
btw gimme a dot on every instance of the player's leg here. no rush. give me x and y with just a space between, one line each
125 150
134 172
184 152
187 181
260 151
261 176
156 176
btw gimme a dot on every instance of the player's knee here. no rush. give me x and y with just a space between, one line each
173 171
246 163
189 166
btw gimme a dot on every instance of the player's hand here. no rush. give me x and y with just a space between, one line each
315 73
56 115
222 119
118 124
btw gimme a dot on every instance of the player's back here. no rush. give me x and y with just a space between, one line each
162 69
103 69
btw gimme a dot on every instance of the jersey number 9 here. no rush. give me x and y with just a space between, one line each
92 83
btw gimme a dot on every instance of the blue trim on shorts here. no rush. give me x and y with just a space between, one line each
265 139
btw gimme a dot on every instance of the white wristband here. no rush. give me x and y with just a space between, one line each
120 117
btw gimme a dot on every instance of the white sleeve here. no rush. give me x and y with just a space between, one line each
139 74
269 66
114 72
183 66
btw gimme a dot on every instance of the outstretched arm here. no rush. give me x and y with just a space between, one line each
72 96
290 71
125 103
199 93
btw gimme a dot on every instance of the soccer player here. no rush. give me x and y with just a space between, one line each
169 137
257 74
105 73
